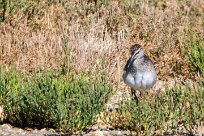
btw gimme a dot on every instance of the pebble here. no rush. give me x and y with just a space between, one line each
8 130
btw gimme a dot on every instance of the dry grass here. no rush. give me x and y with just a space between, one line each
35 32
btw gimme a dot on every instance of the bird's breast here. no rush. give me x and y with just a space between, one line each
129 79
140 80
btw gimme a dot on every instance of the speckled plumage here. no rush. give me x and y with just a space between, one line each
139 72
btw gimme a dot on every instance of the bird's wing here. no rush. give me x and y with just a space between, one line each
128 64
129 67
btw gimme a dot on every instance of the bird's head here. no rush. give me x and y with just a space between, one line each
136 51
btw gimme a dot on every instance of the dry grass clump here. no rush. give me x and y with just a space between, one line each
34 34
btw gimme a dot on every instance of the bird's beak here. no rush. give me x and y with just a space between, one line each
132 59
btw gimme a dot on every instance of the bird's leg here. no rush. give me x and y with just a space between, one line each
133 93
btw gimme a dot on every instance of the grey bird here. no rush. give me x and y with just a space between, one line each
139 72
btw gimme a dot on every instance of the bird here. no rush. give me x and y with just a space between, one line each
139 72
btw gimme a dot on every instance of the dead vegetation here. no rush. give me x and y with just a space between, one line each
34 34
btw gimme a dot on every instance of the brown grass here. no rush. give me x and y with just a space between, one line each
34 34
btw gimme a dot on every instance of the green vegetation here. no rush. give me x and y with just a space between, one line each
65 103
3 5
195 50
163 112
